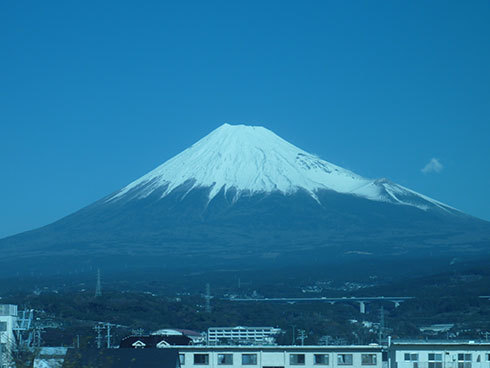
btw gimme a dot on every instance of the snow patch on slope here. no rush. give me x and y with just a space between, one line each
252 159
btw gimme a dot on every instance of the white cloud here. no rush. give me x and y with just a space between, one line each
433 166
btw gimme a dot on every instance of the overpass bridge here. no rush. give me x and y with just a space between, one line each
397 300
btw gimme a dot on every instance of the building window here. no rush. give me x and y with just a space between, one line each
249 359
368 359
488 357
201 359
435 360
322 359
411 357
464 360
225 359
296 359
3 326
182 359
344 359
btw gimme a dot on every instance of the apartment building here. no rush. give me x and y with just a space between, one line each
242 335
443 354
369 356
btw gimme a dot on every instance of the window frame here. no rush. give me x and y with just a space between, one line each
326 358
371 355
205 355
345 355
301 361
254 355
465 360
224 355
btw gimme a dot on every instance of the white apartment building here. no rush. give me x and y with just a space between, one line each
242 334
8 320
449 354
281 356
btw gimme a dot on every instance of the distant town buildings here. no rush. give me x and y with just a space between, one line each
252 347
242 335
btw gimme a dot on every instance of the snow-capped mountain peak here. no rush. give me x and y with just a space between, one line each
252 159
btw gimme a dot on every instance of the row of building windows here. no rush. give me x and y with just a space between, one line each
435 360
462 357
294 359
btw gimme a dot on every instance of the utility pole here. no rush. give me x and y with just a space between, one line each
108 336
381 324
302 336
294 340
98 287
98 328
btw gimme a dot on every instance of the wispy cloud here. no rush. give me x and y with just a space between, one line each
433 166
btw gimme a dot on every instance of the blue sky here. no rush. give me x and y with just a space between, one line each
95 94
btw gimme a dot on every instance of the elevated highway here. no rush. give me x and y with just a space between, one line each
397 300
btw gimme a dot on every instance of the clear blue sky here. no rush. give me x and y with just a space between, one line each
95 94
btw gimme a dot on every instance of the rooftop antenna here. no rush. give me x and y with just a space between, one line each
98 287
207 296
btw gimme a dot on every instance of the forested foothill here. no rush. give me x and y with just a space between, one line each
68 310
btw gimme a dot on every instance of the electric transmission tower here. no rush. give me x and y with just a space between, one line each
208 297
98 287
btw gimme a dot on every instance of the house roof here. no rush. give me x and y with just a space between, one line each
121 358
152 341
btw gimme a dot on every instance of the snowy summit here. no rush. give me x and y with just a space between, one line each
252 159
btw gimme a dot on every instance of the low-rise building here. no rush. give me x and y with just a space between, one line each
242 335
443 354
366 356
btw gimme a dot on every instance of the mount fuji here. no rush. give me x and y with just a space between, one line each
250 160
242 196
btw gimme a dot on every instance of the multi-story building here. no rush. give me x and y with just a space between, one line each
8 320
366 356
444 354
242 335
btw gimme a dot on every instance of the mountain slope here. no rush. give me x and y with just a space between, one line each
252 159
242 196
